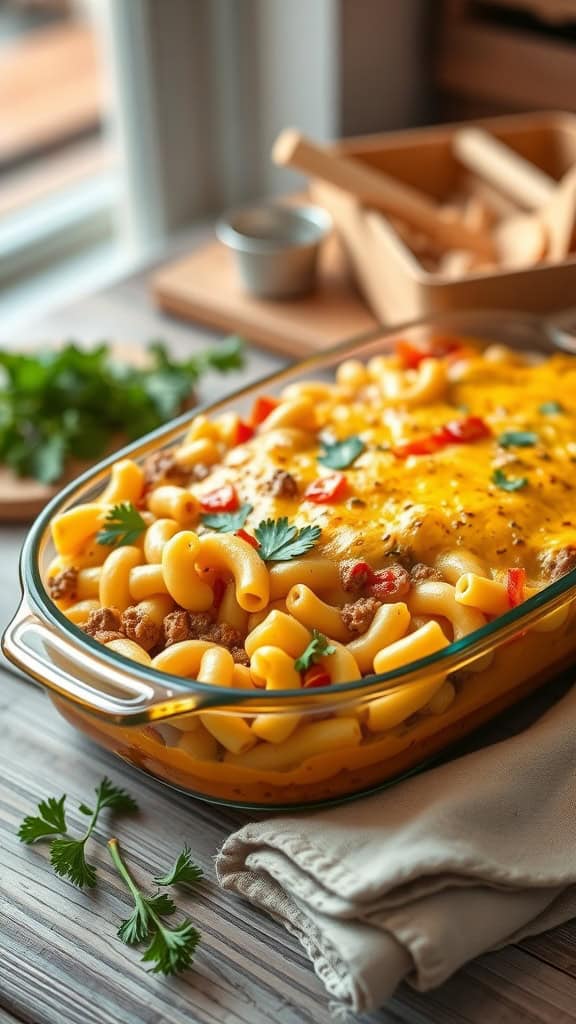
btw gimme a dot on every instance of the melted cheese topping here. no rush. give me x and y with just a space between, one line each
422 504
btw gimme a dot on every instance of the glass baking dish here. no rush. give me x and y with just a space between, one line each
150 719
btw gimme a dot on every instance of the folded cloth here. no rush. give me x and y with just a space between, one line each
417 880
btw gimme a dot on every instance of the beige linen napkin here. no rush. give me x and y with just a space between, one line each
417 880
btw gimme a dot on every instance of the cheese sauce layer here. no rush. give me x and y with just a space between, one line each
468 449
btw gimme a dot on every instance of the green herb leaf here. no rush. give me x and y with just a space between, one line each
518 439
51 407
136 928
508 483
109 795
125 526
67 855
68 859
140 924
279 542
182 872
341 454
227 522
171 950
49 822
551 408
318 647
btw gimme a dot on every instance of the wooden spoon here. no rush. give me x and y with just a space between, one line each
376 189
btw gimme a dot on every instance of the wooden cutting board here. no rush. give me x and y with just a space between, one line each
203 286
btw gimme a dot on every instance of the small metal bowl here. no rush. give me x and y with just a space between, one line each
275 247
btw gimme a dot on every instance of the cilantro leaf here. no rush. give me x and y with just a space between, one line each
68 859
172 949
139 925
67 855
49 822
125 525
551 408
109 795
279 542
508 483
317 648
518 439
341 454
182 872
227 522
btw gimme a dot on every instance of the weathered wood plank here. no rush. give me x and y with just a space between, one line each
59 958
59 954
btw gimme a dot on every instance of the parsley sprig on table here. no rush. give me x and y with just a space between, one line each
318 647
67 855
279 542
123 525
170 949
71 402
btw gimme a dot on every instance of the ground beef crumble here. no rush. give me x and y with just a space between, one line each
64 585
240 656
160 467
182 625
140 627
105 636
282 484
357 616
104 620
353 583
420 572
176 627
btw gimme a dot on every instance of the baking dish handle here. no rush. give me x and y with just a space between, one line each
78 675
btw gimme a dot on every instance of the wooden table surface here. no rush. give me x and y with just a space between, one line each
60 961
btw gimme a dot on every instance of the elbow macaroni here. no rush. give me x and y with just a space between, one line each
429 527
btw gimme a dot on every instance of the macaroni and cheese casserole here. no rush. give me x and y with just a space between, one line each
342 529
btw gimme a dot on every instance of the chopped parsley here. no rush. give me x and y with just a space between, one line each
551 408
227 522
317 648
341 454
518 439
279 542
53 409
508 483
125 524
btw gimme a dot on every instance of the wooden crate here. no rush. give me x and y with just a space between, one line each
394 283
483 61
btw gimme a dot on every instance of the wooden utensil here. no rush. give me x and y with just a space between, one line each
519 238
379 190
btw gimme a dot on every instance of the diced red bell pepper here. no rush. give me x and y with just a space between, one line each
223 499
244 535
412 353
515 584
426 445
464 431
315 676
472 428
244 432
327 489
262 408
391 582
